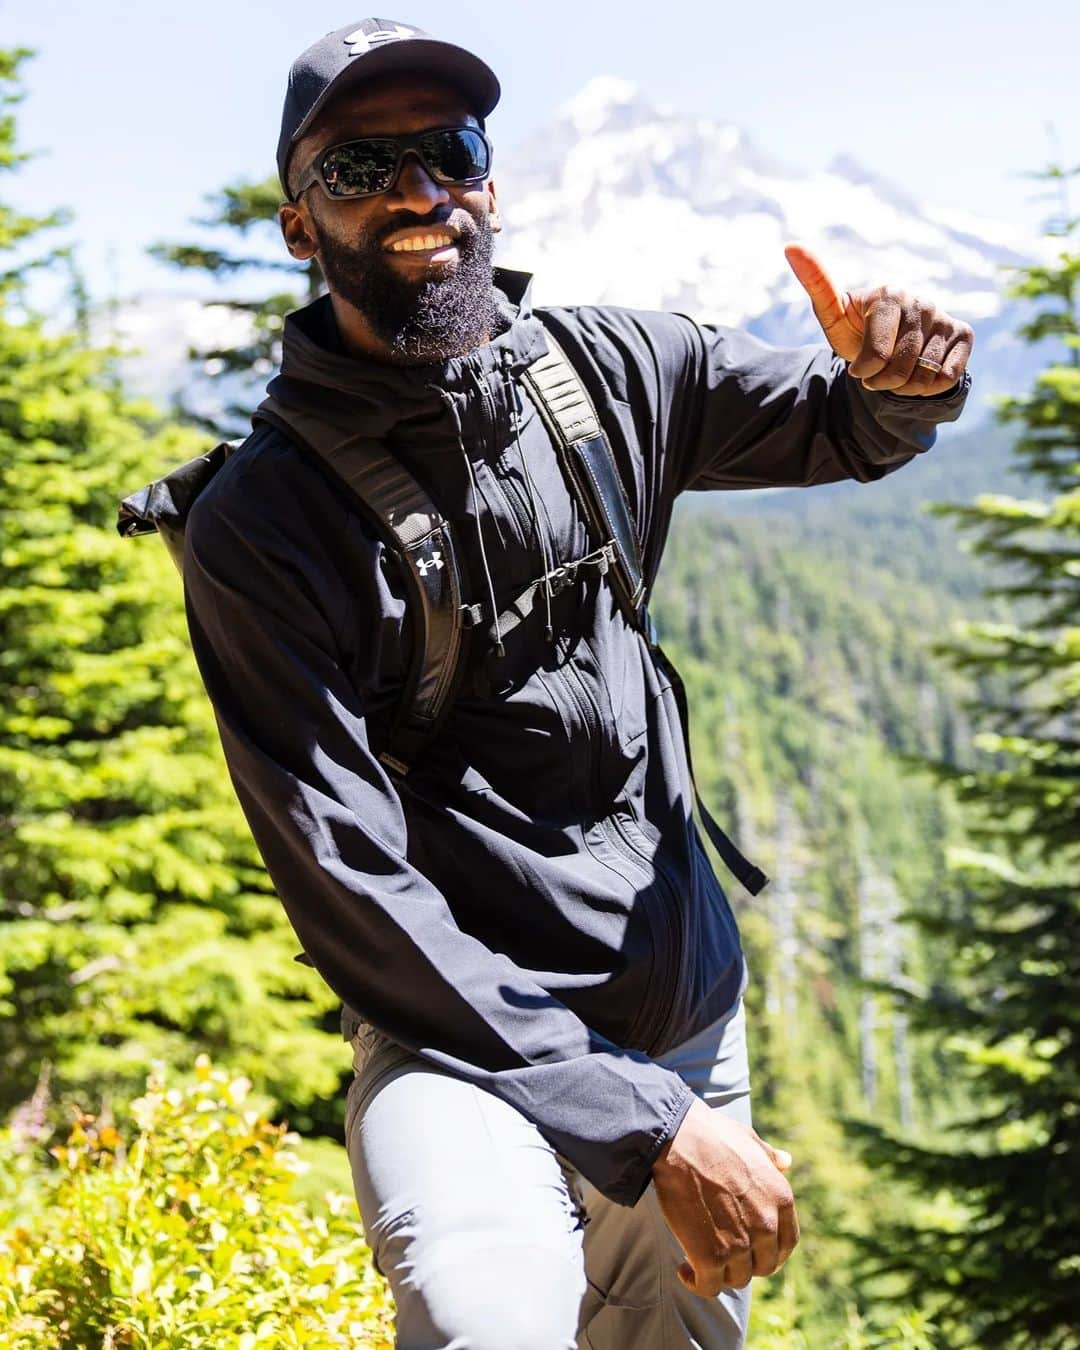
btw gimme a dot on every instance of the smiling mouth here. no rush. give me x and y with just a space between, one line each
432 241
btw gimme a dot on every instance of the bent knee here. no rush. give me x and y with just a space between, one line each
491 1297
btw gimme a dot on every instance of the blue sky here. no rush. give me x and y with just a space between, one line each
144 107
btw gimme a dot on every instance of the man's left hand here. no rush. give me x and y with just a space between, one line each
880 331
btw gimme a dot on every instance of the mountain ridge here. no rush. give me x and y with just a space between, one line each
611 155
620 200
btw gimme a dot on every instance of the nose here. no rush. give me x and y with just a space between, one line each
415 189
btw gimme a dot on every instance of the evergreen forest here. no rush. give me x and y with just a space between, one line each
883 681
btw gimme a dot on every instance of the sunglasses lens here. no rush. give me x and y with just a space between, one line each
455 156
359 168
362 168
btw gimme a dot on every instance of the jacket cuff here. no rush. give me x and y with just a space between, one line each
634 1182
910 420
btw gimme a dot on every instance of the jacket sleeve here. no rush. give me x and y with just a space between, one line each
331 830
747 414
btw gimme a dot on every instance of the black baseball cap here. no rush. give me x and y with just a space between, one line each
358 51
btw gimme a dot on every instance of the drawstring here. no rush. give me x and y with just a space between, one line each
546 547
447 398
545 555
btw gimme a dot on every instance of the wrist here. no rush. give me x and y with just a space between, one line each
668 1153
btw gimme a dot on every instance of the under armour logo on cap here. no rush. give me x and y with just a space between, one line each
362 50
372 33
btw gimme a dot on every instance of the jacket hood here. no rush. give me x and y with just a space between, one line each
344 407
321 383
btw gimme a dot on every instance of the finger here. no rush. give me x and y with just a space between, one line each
787 1233
918 320
738 1272
706 1257
957 356
920 380
780 1157
766 1251
704 1278
881 322
827 302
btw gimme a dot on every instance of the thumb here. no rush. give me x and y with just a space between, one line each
780 1156
830 305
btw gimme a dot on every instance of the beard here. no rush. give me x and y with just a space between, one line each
429 319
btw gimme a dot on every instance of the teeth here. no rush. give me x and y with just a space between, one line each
415 243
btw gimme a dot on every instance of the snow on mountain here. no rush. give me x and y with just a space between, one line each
619 201
156 333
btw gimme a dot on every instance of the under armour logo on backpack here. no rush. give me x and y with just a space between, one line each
360 42
425 564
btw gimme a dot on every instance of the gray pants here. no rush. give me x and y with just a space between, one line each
491 1240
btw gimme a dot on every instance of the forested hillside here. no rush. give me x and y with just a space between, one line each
805 651
141 943
885 521
805 623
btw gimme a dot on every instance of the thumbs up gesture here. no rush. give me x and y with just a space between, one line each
883 333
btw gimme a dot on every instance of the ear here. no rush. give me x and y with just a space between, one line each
493 207
297 230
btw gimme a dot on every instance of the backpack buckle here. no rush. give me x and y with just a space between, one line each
562 576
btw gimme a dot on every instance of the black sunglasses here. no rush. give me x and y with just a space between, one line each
366 167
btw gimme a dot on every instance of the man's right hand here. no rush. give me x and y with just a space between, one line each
723 1193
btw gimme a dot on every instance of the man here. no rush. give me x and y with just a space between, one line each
541 977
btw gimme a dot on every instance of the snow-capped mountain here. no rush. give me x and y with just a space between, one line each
620 201
158 331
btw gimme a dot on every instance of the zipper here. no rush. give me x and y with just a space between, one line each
489 401
585 705
610 825
510 488
513 496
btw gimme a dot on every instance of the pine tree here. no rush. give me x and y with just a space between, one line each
249 209
136 920
991 1245
806 648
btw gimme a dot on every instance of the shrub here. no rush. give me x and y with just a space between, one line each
184 1235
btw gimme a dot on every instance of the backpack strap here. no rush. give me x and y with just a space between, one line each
406 517
401 509
408 521
567 411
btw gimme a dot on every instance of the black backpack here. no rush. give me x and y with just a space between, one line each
416 531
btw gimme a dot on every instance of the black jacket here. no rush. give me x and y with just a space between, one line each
534 911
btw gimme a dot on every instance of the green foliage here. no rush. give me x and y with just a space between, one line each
774 1325
15 227
136 920
178 1233
991 1244
248 208
809 671
137 924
